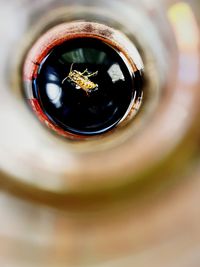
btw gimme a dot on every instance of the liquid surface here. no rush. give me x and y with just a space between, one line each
84 86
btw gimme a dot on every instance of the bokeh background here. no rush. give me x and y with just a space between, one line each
130 199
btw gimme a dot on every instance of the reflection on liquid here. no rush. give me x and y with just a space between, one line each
116 73
54 93
81 55
53 89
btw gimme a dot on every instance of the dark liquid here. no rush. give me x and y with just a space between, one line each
71 107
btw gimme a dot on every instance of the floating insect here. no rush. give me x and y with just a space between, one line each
81 80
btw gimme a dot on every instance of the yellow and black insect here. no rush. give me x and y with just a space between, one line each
81 80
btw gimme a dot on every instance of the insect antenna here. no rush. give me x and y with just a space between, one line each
71 68
64 79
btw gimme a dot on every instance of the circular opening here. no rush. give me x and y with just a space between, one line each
82 83
84 86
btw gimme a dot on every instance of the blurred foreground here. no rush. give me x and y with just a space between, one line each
129 200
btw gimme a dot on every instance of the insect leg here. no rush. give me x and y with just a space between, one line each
84 71
92 74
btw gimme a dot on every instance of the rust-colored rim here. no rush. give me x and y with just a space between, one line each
68 31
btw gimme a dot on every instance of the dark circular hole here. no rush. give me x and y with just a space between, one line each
85 86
